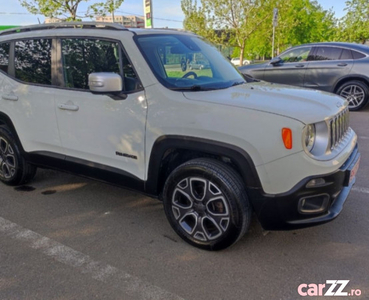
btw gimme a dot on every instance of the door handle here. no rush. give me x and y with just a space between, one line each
342 65
68 106
10 97
300 66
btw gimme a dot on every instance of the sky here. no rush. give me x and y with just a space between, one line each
166 13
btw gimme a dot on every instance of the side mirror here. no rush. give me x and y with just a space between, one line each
105 82
276 60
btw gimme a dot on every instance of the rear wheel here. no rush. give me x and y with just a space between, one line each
356 93
206 204
14 170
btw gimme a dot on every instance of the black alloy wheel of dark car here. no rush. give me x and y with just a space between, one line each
14 170
206 204
356 93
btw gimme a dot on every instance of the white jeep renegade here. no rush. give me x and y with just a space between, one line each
121 106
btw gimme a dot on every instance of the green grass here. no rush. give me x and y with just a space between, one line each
179 74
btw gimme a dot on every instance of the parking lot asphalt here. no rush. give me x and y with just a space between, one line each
66 237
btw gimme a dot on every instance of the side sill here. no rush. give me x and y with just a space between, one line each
87 169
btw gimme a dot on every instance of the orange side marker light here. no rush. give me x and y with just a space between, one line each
287 138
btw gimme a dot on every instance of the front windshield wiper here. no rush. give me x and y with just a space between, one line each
189 88
201 88
238 83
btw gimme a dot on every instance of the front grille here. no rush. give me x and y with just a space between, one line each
339 125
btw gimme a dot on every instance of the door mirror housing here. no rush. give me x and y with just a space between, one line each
276 60
105 82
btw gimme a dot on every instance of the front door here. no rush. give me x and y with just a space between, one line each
98 130
291 70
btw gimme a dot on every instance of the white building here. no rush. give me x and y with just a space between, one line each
53 20
126 21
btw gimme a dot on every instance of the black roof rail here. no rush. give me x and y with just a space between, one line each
61 25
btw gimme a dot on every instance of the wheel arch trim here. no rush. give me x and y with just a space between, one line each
164 143
348 78
5 119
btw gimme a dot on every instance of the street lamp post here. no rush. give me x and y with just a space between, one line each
275 23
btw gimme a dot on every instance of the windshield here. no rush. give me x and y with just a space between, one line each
187 62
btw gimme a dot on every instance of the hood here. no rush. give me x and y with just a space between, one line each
305 105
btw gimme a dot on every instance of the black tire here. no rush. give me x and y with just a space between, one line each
206 204
14 170
356 93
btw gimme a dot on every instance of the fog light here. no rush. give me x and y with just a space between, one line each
315 182
313 204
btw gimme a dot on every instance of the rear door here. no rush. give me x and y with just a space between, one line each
27 93
291 70
328 64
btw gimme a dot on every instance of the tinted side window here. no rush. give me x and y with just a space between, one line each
346 54
82 57
296 55
328 53
131 81
357 55
4 57
33 61
127 67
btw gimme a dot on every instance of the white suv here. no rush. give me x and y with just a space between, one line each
114 104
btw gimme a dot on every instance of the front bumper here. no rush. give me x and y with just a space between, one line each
285 212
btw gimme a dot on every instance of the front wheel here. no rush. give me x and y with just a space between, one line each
356 93
206 204
14 170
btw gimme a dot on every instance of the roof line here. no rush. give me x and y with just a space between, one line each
61 25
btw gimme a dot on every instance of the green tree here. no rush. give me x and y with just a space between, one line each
247 24
195 20
68 9
355 24
109 6
311 24
220 20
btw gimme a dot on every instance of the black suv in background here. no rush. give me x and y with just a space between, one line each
340 68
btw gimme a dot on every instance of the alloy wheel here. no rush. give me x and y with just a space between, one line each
354 94
8 163
200 209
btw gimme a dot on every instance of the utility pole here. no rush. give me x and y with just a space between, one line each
275 23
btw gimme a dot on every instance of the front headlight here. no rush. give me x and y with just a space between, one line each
310 136
315 139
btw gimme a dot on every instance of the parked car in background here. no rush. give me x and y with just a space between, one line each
198 65
340 68
236 61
